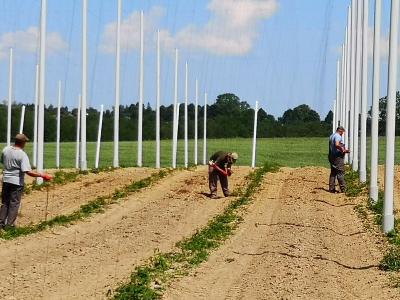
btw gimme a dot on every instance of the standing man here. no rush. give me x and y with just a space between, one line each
15 166
220 168
337 151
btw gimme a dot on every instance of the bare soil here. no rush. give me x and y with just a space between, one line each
64 199
297 241
91 258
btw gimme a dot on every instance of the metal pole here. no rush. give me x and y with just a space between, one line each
158 102
174 140
375 103
196 125
348 82
83 158
364 97
96 165
21 123
253 160
176 128
337 111
352 78
334 117
186 116
10 97
78 130
35 118
357 96
42 90
388 218
141 89
117 87
58 126
205 130
342 84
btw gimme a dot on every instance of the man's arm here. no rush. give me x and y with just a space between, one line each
34 174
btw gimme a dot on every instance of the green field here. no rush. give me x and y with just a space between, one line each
291 152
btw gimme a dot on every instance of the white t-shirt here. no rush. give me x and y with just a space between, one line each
15 165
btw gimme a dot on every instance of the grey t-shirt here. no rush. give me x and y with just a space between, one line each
16 164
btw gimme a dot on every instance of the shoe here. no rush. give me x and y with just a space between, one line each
213 196
227 194
333 191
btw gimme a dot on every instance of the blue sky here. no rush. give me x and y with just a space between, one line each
272 51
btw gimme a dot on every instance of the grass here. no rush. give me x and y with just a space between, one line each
92 207
148 281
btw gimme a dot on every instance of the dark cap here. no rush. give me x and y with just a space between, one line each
340 128
21 138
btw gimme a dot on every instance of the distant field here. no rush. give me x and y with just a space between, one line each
291 152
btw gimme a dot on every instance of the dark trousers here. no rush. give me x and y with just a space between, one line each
213 176
337 171
11 195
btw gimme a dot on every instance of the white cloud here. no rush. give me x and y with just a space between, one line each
232 29
130 30
27 41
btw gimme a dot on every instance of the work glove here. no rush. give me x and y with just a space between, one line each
211 163
47 177
229 172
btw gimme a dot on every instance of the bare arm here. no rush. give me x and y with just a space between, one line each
46 177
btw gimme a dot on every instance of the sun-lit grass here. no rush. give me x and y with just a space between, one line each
291 152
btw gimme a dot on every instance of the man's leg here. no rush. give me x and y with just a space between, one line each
332 179
340 173
212 181
224 184
5 202
15 201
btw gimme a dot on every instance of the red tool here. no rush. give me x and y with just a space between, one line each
223 172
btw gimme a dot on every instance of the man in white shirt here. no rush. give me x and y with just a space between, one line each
337 151
15 166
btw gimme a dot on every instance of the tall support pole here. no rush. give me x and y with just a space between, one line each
83 158
35 117
375 102
22 119
352 78
141 89
348 82
364 97
174 129
42 89
117 87
10 97
357 96
342 85
78 131
253 159
196 125
337 107
97 160
388 218
158 100
205 130
186 115
334 121
58 126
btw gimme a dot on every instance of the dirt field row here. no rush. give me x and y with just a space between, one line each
297 242
88 259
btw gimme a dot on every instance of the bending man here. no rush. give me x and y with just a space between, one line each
15 166
337 151
220 168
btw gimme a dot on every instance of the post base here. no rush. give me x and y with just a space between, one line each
388 223
374 193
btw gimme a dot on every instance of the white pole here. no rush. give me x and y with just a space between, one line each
35 118
10 97
42 89
348 82
375 103
176 129
186 115
334 117
174 138
78 130
357 98
337 113
58 126
342 86
196 125
253 160
364 97
352 77
158 146
96 165
141 89
83 158
117 88
21 123
205 130
388 218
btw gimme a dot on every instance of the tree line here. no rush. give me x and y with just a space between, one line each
228 117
